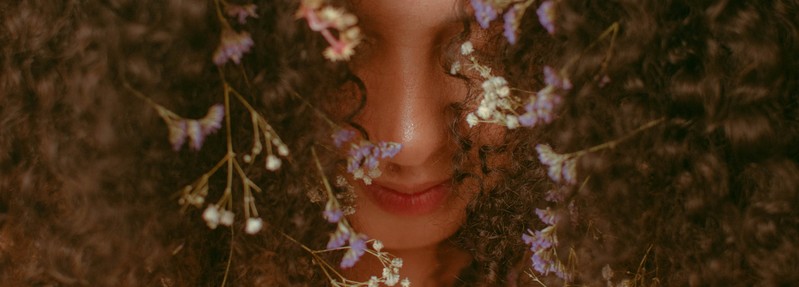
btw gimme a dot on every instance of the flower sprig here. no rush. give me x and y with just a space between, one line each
233 44
562 167
326 19
363 157
543 245
499 106
486 11
356 245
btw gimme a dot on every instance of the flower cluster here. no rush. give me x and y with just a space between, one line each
264 134
233 45
486 11
496 103
541 106
194 129
562 168
546 15
345 234
363 157
323 18
543 244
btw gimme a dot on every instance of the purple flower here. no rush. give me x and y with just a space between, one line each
195 134
546 216
357 249
540 264
546 15
177 133
241 11
232 46
213 119
332 214
338 238
545 103
552 78
511 22
341 136
389 149
484 12
529 118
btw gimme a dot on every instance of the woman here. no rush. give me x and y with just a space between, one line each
694 188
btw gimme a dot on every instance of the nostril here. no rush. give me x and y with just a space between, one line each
392 167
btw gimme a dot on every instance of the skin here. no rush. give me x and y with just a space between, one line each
408 95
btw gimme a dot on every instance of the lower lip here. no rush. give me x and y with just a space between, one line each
419 203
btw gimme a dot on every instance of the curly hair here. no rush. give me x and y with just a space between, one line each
708 197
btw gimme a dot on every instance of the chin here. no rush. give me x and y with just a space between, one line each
409 221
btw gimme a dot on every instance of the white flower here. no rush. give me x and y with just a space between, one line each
211 216
405 282
484 112
456 67
471 119
226 218
396 262
272 162
282 150
512 122
392 279
377 245
373 282
254 224
467 48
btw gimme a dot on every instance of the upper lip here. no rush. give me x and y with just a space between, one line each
413 188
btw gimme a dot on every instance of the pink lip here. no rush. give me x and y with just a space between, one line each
421 202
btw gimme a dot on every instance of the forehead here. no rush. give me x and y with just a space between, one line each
387 16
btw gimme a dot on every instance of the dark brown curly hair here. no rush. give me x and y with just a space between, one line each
708 197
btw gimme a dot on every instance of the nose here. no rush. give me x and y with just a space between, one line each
407 98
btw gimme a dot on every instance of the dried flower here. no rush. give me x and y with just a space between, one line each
455 69
552 78
195 130
546 15
484 12
377 245
272 162
362 161
342 136
240 11
232 46
511 24
254 224
561 168
467 48
226 217
332 213
547 216
324 18
405 282
357 249
211 216
177 133
339 237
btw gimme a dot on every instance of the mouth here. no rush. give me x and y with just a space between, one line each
412 202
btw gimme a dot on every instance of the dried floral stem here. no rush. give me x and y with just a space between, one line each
612 30
316 257
613 143
229 259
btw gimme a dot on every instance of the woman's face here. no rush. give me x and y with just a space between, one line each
412 204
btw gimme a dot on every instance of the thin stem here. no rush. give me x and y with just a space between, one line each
318 259
318 112
229 259
613 143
